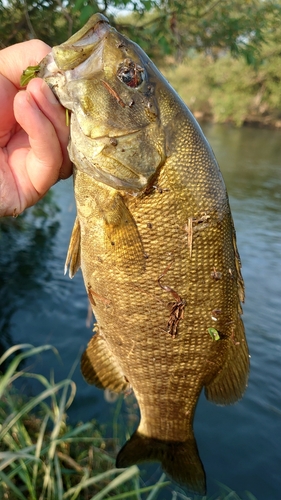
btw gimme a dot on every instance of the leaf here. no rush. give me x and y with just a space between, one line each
214 334
33 403
29 73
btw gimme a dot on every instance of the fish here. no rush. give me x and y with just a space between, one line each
156 243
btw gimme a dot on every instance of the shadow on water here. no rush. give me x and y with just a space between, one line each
26 243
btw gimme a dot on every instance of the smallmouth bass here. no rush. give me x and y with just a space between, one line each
156 244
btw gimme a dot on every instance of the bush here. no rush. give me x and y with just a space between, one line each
228 89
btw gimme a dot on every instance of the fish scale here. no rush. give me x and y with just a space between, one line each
156 243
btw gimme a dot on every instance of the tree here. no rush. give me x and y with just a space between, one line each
160 26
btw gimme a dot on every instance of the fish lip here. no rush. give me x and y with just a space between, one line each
82 44
81 55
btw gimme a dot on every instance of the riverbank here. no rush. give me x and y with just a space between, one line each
228 90
255 121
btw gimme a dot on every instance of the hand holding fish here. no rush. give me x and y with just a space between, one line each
33 132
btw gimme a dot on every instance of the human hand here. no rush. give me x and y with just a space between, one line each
33 131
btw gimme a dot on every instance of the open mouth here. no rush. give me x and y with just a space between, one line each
82 44
81 55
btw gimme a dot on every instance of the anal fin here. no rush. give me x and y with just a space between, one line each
180 460
230 383
73 253
100 368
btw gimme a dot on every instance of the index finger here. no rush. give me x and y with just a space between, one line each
7 122
15 59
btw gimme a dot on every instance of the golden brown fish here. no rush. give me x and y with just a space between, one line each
156 243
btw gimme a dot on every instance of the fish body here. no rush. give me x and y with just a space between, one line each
155 239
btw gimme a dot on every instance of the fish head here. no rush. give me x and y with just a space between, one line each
112 89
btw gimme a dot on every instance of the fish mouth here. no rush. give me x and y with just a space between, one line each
78 48
80 55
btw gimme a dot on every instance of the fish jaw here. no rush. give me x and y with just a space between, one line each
65 62
80 46
107 83
82 57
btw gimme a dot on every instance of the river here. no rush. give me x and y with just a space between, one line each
240 445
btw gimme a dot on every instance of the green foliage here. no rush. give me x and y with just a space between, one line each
214 334
229 90
163 26
28 74
43 458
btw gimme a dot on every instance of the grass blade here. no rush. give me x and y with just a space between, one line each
157 487
145 489
250 495
92 480
6 378
39 444
13 349
8 458
59 488
32 404
6 480
117 481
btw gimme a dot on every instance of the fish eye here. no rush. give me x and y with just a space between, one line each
131 74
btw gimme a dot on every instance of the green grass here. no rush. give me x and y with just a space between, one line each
43 458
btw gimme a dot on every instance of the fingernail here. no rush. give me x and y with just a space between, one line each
50 96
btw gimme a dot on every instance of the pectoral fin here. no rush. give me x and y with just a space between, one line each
100 368
73 253
122 238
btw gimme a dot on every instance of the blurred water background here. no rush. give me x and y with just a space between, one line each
239 445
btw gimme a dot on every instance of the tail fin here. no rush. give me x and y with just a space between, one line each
180 460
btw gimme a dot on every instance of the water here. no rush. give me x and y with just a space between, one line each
240 445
